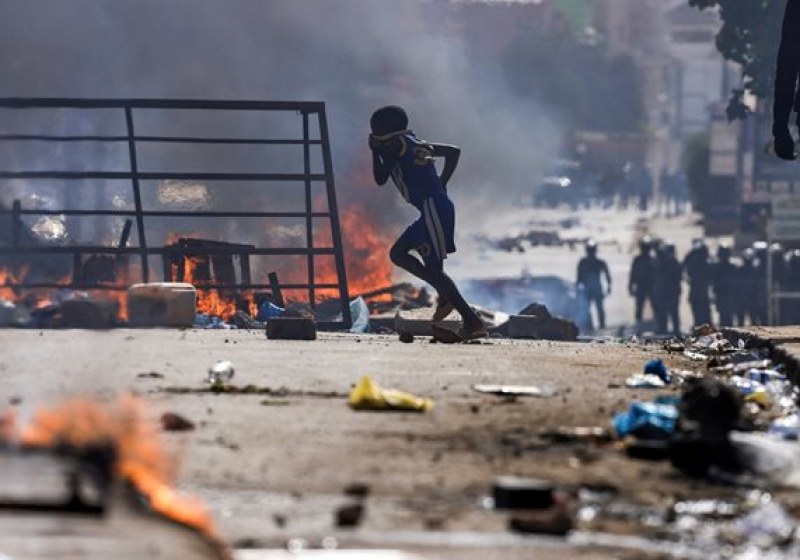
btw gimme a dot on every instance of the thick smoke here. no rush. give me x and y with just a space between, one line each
353 54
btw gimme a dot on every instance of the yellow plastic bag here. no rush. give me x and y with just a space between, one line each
367 395
760 397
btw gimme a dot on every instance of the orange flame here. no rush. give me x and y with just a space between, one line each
209 301
366 253
8 276
141 459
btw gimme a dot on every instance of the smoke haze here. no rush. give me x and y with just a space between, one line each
353 54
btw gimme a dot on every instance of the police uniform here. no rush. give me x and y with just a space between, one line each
415 176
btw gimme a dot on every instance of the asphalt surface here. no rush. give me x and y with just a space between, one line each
274 466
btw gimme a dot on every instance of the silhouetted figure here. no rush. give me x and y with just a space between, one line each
640 281
697 266
787 72
724 285
780 278
590 271
397 153
759 316
791 308
746 284
667 289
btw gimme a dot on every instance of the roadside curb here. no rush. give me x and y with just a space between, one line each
781 343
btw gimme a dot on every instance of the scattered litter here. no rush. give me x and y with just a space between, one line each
786 427
704 330
275 402
268 310
767 526
359 313
406 337
657 367
515 390
513 492
367 395
358 490
765 375
349 515
151 375
570 434
695 356
220 373
552 521
291 328
645 381
647 420
172 422
211 322
709 411
648 450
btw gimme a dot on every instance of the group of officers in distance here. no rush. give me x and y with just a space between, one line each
735 286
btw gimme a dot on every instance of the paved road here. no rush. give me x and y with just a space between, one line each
274 467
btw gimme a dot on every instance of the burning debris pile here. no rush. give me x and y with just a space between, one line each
112 460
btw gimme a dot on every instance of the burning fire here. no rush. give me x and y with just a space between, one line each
37 299
366 253
9 277
141 459
209 301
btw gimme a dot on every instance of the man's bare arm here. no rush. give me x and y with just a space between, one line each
384 158
450 154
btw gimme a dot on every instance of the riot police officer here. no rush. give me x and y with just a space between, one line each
723 283
640 281
698 270
667 289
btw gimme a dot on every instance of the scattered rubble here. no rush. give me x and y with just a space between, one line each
535 321
291 328
349 515
515 390
512 492
172 422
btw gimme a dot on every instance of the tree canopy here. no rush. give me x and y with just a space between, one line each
750 36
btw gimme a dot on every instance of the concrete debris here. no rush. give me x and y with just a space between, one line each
85 312
512 492
556 520
358 490
406 337
349 515
535 321
291 328
172 422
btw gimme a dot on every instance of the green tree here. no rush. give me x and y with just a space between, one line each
695 159
750 36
